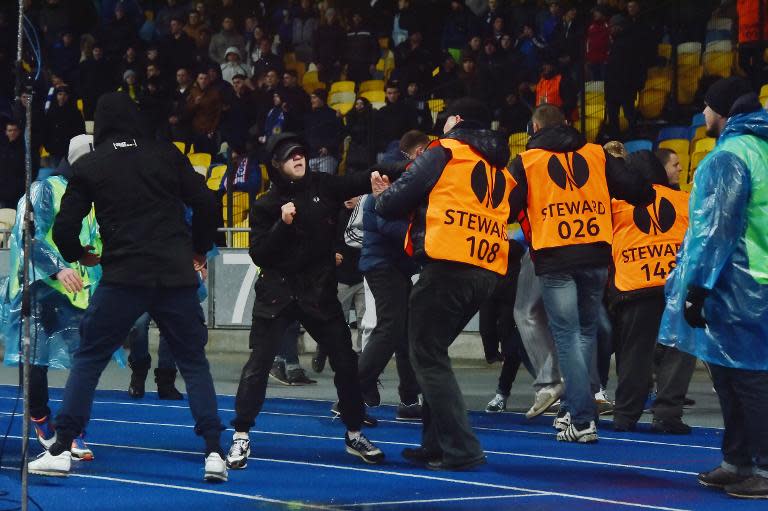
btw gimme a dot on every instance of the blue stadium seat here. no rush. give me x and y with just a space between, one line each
718 35
673 132
638 145
697 120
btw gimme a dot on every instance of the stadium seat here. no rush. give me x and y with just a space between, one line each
720 24
688 59
719 46
672 132
200 159
369 85
664 73
214 180
181 146
518 138
377 104
697 120
374 96
264 178
310 77
240 211
665 50
310 87
688 78
341 97
662 83
384 43
432 138
80 105
718 63
633 146
651 103
300 68
704 145
592 127
386 64
717 35
342 86
697 133
343 108
436 105
689 47
696 159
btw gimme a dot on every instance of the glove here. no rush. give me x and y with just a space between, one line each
694 306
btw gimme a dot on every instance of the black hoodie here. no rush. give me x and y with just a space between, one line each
622 184
409 194
140 189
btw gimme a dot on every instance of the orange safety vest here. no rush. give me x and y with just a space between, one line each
568 200
548 91
749 20
646 240
468 211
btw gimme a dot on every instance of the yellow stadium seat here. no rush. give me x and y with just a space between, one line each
660 72
343 108
300 68
217 173
181 146
651 103
341 97
80 105
436 105
592 125
240 211
688 83
696 160
289 58
310 77
665 50
386 64
200 159
596 109
264 177
377 104
718 63
374 95
704 145
518 139
661 83
369 85
764 90
764 101
688 59
432 138
342 86
309 88
701 132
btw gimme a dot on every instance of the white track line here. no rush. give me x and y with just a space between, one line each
257 498
406 475
403 423
435 501
405 444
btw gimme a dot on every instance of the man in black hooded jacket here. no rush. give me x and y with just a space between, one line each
139 189
293 233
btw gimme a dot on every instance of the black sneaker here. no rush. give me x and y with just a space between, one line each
720 478
369 421
318 362
670 426
278 372
363 448
408 412
298 377
440 465
755 487
371 396
420 455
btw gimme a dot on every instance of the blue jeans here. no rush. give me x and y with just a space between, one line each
111 314
140 346
572 301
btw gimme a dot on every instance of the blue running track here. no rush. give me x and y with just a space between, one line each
148 458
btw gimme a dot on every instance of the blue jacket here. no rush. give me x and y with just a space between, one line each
384 241
725 251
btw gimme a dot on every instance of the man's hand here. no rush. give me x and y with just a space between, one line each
693 310
288 213
199 261
70 279
339 259
89 258
379 183
352 203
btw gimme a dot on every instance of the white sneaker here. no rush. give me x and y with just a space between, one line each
238 453
497 404
562 421
49 465
215 468
587 435
544 399
603 404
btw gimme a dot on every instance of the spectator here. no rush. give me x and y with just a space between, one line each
474 80
12 166
405 22
528 45
460 25
130 85
417 100
295 94
95 80
671 162
242 112
253 45
226 38
267 59
54 18
492 64
361 51
284 32
493 13
473 47
130 62
547 21
153 71
567 42
447 84
233 66
178 49
183 85
279 118
641 33
155 105
203 108
413 62
268 87
323 132
598 45
173 9
329 46
361 154
62 122
393 119
305 23
622 80
65 57
193 27
498 28
513 115
555 89
118 34
217 83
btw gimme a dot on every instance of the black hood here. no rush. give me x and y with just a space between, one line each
116 115
647 165
561 139
491 144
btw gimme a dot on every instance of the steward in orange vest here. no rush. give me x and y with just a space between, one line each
556 89
645 244
457 194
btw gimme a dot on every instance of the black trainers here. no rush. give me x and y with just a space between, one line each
318 362
363 448
371 396
720 478
755 487
670 426
369 421
440 465
298 377
408 412
278 372
420 455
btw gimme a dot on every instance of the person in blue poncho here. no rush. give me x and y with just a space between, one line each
60 294
717 297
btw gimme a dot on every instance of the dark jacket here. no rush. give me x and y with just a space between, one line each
139 188
297 261
410 192
61 124
347 272
622 81
622 184
360 129
323 128
392 121
12 171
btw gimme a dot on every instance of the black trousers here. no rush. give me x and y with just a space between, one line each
265 340
744 402
443 300
38 390
636 326
391 290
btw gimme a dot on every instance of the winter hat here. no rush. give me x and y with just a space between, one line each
79 146
722 94
470 110
128 72
619 20
232 49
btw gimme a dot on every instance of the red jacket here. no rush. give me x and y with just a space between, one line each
598 42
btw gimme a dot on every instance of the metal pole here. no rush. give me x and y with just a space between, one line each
26 100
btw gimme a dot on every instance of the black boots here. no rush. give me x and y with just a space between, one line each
165 379
139 372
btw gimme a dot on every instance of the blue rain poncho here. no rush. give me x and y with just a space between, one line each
56 314
726 252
